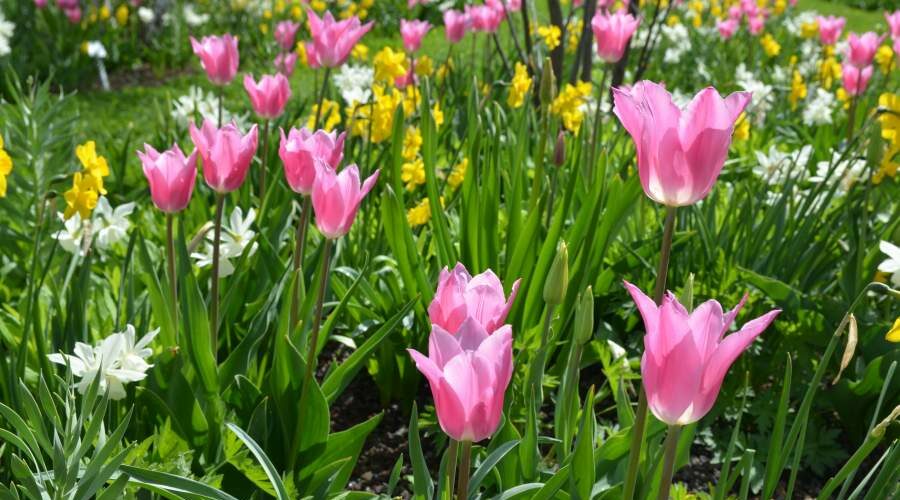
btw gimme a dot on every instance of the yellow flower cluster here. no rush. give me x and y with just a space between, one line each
349 8
770 46
437 115
809 29
419 214
551 35
122 15
413 173
573 35
521 84
829 72
87 185
885 58
6 166
329 117
412 142
360 52
569 103
893 335
458 174
389 65
424 66
889 119
376 120
798 90
742 128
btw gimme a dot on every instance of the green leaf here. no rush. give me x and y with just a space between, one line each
488 464
271 473
173 483
583 468
423 487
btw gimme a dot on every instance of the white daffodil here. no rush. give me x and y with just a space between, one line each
6 32
892 264
776 166
118 360
237 236
146 15
96 50
71 237
355 83
847 171
111 225
193 18
819 109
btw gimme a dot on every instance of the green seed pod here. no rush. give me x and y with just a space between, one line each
558 278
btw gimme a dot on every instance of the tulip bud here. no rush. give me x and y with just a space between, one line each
559 152
584 317
548 85
558 278
875 150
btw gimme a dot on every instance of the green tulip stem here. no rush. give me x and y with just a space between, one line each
671 447
299 248
214 289
464 465
170 257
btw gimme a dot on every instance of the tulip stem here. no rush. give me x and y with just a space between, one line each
671 447
299 248
592 153
265 162
464 465
851 114
214 289
170 255
221 98
317 318
640 419
452 461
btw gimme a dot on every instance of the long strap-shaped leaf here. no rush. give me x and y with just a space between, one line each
271 473
173 483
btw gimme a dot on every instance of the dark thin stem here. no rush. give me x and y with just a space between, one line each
214 289
299 248
452 460
640 419
317 318
170 256
671 447
526 26
462 490
851 113
265 163
221 98
321 98
512 31
506 67
601 91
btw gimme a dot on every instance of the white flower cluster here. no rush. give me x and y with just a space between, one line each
679 42
846 171
236 237
892 264
819 108
763 94
118 360
776 166
107 227
355 83
198 105
6 32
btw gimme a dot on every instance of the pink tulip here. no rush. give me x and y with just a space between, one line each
301 149
333 40
67 4
219 56
735 12
285 63
686 354
756 24
468 375
861 48
226 154
855 80
286 34
171 177
312 59
893 20
679 153
727 28
484 18
612 32
455 25
269 96
412 32
40 4
511 6
336 198
460 295
406 79
73 14
830 28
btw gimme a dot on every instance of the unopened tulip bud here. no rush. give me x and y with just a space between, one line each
559 152
584 317
548 85
558 278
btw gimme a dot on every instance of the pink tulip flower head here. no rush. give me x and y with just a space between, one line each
830 28
73 14
286 34
171 177
67 4
855 80
893 21
269 96
727 28
301 149
468 375
460 295
484 18
412 33
455 25
40 4
226 154
735 12
219 57
406 79
612 32
687 354
756 24
336 198
510 7
312 59
679 153
333 40
861 48
285 63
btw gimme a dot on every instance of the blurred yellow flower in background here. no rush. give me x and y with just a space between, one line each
424 66
437 114
798 90
122 15
829 72
893 335
412 142
809 29
458 174
419 214
569 103
6 166
885 58
551 35
413 173
742 128
360 52
389 64
521 84
329 118
770 46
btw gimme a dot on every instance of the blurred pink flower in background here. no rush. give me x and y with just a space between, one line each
612 32
830 28
300 150
286 34
219 57
756 24
269 95
171 176
336 198
226 154
484 18
861 48
40 3
333 40
412 32
455 25
285 63
727 28
893 20
855 79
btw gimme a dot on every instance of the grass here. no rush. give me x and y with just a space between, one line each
857 19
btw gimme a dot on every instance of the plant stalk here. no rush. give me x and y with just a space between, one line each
214 289
300 246
265 162
321 98
170 256
452 463
671 447
221 99
317 317
464 465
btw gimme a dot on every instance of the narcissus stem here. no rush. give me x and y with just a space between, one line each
671 447
640 418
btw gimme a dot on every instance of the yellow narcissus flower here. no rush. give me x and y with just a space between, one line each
843 97
302 57
410 100
360 52
568 105
573 34
412 142
521 84
779 7
798 90
458 174
264 28
419 214
889 104
296 12
551 35
104 13
885 58
413 173
318 5
389 65
122 15
742 128
829 72
329 118
424 66
809 29
93 164
82 197
6 166
893 335
437 114
770 46
445 69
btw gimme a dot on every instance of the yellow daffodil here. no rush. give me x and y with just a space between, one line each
458 174
122 15
419 214
412 142
6 166
521 84
551 35
413 173
798 90
889 118
424 66
330 116
829 72
742 128
809 29
568 105
82 197
93 164
389 64
770 46
104 13
437 114
893 335
885 58
360 52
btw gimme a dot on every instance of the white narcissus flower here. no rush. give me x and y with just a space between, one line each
237 235
819 109
71 237
118 360
355 83
146 15
111 225
892 264
96 50
776 166
846 172
6 32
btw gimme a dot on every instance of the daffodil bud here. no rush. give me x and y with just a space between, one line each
584 317
875 150
559 152
558 278
548 85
